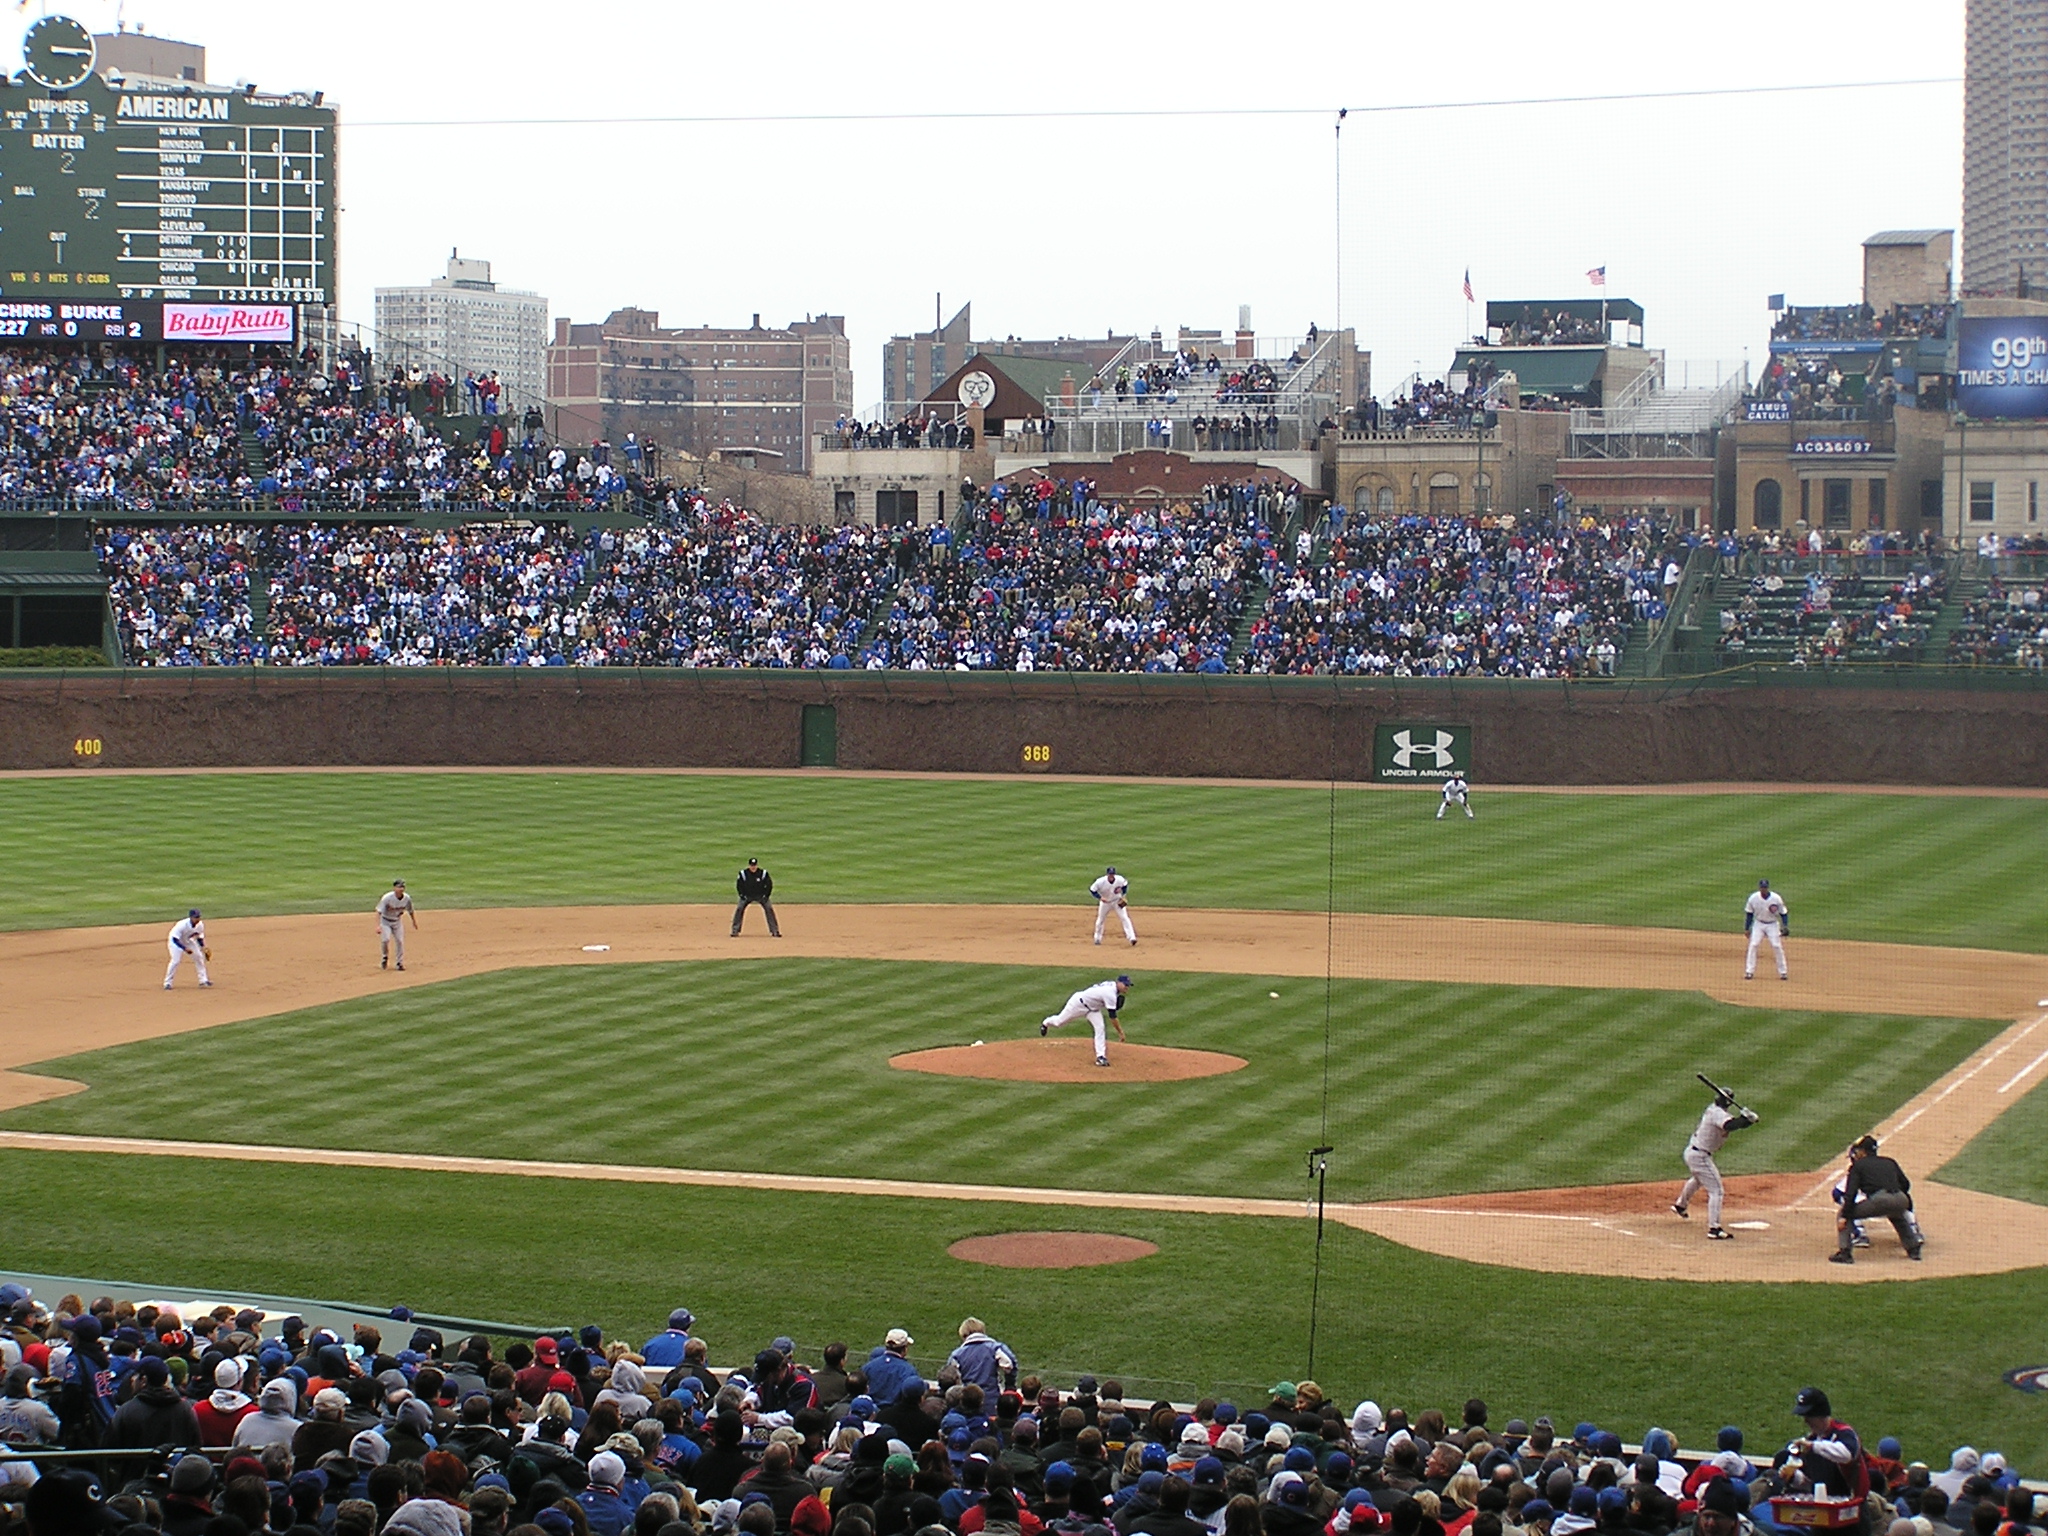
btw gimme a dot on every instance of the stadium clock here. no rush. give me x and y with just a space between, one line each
59 53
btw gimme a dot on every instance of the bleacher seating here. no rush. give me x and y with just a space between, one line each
2006 625
1824 618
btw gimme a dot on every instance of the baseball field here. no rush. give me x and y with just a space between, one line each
1495 1023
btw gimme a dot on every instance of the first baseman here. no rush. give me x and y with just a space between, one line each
1455 788
1764 917
1708 1137
1112 894
393 908
188 938
1094 1003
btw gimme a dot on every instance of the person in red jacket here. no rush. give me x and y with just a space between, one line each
223 1411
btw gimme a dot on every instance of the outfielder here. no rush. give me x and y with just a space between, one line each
1112 894
393 908
1455 788
188 938
1764 917
1708 1136
1094 1004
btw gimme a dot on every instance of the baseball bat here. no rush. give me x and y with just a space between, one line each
1719 1090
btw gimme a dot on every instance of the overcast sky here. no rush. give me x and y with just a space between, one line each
1698 208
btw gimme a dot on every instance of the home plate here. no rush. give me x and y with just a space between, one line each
597 949
1749 1226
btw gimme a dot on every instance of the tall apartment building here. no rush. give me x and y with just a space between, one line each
465 323
2005 146
701 388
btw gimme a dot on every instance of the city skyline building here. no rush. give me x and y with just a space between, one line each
2005 147
463 322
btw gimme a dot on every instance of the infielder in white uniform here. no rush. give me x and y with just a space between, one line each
188 938
1455 788
1094 1003
1708 1137
1764 917
393 908
1111 893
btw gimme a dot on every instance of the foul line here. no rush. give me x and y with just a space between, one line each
641 1173
2023 1072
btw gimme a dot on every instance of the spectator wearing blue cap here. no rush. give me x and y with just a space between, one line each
665 1349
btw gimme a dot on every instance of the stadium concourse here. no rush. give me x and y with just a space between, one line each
254 1422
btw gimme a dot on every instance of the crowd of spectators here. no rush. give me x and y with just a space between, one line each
181 594
206 431
109 431
1829 616
1053 578
1436 403
1553 328
1448 597
929 430
714 586
2005 626
251 1424
1859 322
1818 389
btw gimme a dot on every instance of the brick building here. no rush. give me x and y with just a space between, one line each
699 389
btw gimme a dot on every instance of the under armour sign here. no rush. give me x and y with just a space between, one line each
1420 752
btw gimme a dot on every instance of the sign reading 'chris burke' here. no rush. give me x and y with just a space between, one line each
1420 751
2002 366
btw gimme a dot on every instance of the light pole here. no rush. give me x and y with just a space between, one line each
1337 198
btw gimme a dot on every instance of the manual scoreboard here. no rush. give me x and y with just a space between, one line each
118 198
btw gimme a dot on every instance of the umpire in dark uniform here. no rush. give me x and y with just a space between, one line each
755 885
1876 1186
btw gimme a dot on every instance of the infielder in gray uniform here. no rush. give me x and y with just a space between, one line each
1708 1137
393 908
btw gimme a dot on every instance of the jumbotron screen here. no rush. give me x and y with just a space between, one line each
161 194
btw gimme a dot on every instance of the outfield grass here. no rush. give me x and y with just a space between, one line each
1222 1305
739 1063
2010 1156
1933 870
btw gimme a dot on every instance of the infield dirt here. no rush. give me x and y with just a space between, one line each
76 990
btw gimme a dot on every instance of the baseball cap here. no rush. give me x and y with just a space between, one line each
1300 1459
1730 1439
897 1338
1059 1477
682 1318
1537 1509
1151 1482
1153 1457
1280 1388
1208 1472
1611 1499
1811 1402
1585 1500
1721 1497
153 1370
1889 1446
193 913
1123 981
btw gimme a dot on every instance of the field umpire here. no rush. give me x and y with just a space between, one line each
755 885
1876 1186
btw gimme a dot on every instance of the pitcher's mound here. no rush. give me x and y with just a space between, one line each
1067 1061
1051 1250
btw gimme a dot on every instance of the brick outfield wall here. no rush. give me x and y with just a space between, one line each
1523 733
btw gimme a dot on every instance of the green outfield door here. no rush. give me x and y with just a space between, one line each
821 737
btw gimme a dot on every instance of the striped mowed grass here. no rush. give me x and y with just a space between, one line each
782 1066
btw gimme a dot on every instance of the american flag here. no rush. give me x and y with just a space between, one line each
1597 276
1468 285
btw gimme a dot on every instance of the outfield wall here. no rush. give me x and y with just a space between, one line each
1536 733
